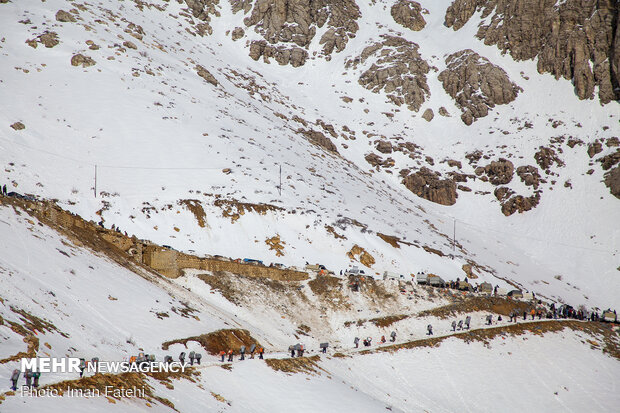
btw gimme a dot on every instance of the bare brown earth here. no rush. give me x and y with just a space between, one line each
220 340
296 365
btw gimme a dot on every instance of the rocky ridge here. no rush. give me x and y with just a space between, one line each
574 39
397 68
476 84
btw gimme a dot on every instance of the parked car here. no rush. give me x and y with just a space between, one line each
516 294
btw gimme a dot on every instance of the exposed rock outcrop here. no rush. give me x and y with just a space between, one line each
408 13
546 157
574 39
529 175
319 139
18 126
594 148
476 84
397 69
203 10
428 185
65 16
82 60
206 75
612 180
520 204
296 56
377 161
295 22
498 172
237 33
428 115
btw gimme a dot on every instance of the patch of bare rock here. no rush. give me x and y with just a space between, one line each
319 139
476 84
574 39
65 17
203 10
408 13
428 184
82 60
288 26
397 68
206 75
497 172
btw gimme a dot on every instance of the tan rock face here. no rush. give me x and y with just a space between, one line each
476 84
295 56
81 60
18 126
574 39
428 115
206 75
498 172
319 139
529 175
612 180
546 157
397 68
237 33
203 10
408 13
428 185
292 24
64 16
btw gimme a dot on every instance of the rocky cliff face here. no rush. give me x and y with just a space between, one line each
428 185
574 39
397 69
476 84
292 24
408 13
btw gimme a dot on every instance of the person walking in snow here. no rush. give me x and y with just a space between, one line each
231 353
35 377
460 326
533 313
356 341
182 357
223 354
467 322
393 335
192 355
242 351
14 378
382 339
430 330
260 353
28 376
198 357
82 367
453 325
292 351
490 319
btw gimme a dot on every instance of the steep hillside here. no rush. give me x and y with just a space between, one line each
64 297
460 138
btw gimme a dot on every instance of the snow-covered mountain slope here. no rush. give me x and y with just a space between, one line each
156 133
60 299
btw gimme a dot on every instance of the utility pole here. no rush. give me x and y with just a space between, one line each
95 189
280 186
454 239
